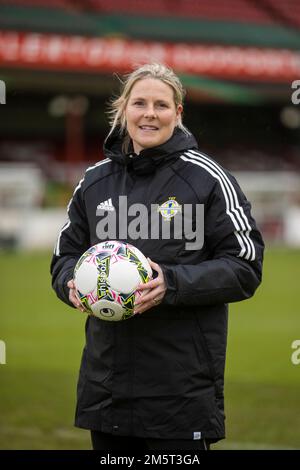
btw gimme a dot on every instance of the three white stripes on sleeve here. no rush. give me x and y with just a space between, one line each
233 208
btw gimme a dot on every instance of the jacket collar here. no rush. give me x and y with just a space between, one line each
148 159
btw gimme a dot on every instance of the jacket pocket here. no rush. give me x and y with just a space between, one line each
206 352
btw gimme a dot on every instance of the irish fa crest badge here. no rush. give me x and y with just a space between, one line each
169 209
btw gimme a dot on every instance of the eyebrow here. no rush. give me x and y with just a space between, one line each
143 99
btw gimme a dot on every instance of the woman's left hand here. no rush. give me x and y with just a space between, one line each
153 291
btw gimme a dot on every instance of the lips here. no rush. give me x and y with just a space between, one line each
148 128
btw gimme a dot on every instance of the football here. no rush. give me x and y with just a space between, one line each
106 278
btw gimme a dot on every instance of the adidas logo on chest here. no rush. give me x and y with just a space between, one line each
106 205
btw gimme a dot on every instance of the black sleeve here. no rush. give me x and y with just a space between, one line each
234 268
73 240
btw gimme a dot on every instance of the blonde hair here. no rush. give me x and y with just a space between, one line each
153 70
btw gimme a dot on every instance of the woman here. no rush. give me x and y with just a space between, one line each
156 380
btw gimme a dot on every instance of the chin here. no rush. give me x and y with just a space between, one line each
149 144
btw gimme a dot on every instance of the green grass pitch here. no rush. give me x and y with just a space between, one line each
44 340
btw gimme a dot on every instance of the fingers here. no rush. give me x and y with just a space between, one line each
75 301
147 304
155 266
154 282
150 285
73 296
152 292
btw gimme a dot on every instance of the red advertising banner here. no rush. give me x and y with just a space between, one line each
79 53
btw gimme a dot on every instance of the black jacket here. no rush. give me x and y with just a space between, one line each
161 374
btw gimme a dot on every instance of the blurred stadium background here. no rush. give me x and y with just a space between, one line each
59 61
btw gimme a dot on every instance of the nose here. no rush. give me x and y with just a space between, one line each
150 112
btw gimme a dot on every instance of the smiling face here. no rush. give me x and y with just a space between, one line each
151 114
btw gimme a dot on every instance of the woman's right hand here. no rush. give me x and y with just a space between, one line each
73 296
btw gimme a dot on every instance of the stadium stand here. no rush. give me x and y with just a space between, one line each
262 11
